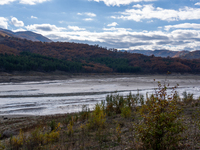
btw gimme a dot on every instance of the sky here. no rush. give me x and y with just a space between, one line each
121 24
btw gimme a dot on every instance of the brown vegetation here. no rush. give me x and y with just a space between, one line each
89 56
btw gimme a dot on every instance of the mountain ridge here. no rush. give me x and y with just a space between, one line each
29 35
167 53
160 53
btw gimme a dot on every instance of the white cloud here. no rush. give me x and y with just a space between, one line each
29 2
150 12
3 2
112 24
16 22
44 27
120 2
75 28
33 17
3 23
198 3
117 29
32 2
126 38
137 6
120 30
88 19
18 30
89 14
123 38
183 26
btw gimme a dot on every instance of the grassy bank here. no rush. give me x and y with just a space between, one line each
161 122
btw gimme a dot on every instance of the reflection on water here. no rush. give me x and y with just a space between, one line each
56 97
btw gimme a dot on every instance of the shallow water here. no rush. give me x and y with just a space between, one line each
66 96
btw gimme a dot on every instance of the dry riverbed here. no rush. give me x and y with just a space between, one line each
27 122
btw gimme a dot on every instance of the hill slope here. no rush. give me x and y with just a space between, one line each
24 35
191 55
161 53
93 58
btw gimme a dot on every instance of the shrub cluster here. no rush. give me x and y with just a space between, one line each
36 139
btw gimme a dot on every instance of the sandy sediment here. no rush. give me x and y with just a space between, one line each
58 75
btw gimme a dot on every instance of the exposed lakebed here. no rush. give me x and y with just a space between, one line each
66 96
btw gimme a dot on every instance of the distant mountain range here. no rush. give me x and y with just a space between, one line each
168 53
24 35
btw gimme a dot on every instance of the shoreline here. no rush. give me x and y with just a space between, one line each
17 77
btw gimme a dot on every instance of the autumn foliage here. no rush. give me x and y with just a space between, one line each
97 59
162 125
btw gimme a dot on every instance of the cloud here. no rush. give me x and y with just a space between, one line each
151 12
3 2
33 17
89 14
120 2
198 3
44 27
32 2
123 38
28 2
75 28
18 30
16 22
112 24
88 19
183 26
3 23
137 6
117 29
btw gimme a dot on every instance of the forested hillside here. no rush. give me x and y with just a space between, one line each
89 58
26 61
